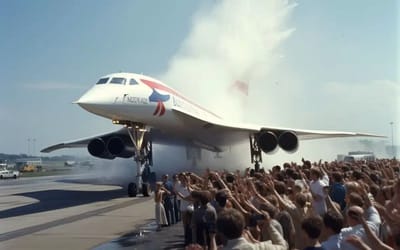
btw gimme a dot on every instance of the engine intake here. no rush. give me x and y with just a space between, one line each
118 147
288 141
97 148
267 141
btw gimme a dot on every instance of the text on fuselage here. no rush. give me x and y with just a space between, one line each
133 99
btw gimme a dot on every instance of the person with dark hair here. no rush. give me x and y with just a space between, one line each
276 169
203 219
220 198
354 199
231 224
333 224
356 175
280 187
312 228
297 210
176 184
306 163
286 221
169 200
337 190
272 211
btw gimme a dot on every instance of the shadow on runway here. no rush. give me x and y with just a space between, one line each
146 237
58 199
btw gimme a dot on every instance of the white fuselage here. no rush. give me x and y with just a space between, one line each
147 101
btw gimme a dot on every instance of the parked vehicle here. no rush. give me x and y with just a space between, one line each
28 168
6 173
357 156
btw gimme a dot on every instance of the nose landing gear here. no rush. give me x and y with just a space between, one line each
143 158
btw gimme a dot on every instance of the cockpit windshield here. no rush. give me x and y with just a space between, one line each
133 82
118 80
103 80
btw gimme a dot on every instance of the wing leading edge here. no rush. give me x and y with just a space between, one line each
156 136
242 131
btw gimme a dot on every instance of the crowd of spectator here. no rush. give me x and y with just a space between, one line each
336 205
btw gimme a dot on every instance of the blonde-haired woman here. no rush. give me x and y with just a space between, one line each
161 218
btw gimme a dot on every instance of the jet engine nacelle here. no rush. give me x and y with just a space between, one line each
267 141
118 147
97 148
288 141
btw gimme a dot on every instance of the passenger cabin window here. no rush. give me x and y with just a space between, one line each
133 82
103 80
118 80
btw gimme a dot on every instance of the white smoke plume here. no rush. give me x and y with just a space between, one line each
229 41
232 41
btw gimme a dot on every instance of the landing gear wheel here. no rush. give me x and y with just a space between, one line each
132 189
256 167
145 190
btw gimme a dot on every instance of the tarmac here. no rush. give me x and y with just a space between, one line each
169 238
65 212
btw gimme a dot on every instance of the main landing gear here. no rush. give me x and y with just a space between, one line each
255 153
143 158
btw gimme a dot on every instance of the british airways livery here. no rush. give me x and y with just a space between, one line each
152 112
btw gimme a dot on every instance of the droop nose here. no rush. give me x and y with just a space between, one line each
87 101
94 100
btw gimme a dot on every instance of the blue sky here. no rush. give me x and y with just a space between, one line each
326 65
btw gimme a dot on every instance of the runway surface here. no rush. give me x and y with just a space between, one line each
77 212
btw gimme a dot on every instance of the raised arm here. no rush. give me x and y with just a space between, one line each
374 241
331 205
278 242
236 204
258 195
282 202
196 177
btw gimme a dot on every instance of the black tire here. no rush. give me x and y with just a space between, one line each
1 177
145 190
15 176
132 189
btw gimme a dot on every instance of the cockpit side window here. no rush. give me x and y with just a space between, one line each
118 80
103 80
133 82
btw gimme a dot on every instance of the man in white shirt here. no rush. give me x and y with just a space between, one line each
354 213
317 184
183 193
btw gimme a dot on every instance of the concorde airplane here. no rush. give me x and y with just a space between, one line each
152 112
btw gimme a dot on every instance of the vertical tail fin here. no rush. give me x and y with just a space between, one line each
240 86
